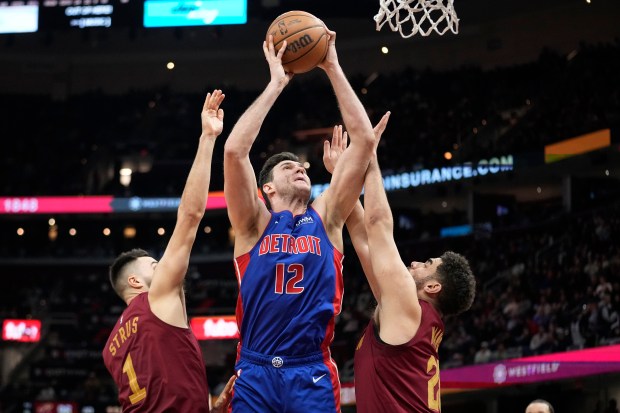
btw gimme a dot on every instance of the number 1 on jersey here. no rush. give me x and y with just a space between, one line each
291 284
137 393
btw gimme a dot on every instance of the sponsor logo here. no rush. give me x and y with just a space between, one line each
135 203
277 362
304 220
499 374
316 379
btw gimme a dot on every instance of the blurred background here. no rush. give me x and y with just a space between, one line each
503 145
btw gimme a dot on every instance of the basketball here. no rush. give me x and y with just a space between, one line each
306 38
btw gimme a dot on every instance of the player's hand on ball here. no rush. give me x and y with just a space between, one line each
274 59
331 58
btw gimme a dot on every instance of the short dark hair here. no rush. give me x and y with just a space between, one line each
458 284
119 263
541 401
266 173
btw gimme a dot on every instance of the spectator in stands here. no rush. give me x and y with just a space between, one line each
539 406
603 287
484 354
609 317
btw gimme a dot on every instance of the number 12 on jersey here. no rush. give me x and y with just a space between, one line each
290 287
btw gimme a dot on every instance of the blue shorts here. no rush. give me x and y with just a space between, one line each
283 384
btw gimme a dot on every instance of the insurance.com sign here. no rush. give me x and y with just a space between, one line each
422 177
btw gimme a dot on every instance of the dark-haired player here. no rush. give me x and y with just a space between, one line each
152 354
396 361
288 255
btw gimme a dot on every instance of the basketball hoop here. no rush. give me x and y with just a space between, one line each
410 17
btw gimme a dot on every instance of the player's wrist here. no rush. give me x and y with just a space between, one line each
332 69
208 137
277 84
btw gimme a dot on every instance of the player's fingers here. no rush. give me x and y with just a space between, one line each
382 124
337 138
268 48
228 388
272 47
326 147
282 50
220 98
332 36
384 120
345 141
231 382
212 99
205 106
224 397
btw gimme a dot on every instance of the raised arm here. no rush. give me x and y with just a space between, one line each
357 232
247 213
398 310
355 222
348 177
165 289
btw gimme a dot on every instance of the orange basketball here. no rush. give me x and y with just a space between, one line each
306 38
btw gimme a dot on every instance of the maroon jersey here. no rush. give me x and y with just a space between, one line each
402 378
157 367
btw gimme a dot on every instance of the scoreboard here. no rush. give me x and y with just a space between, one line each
29 16
65 14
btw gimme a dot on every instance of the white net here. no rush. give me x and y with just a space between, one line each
410 17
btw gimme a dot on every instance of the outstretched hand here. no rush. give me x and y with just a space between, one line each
332 150
380 127
274 59
212 115
223 401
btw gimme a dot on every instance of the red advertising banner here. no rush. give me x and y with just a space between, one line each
21 330
56 204
547 367
215 328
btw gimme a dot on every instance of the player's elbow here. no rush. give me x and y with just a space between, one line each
191 215
234 150
363 140
378 219
368 142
